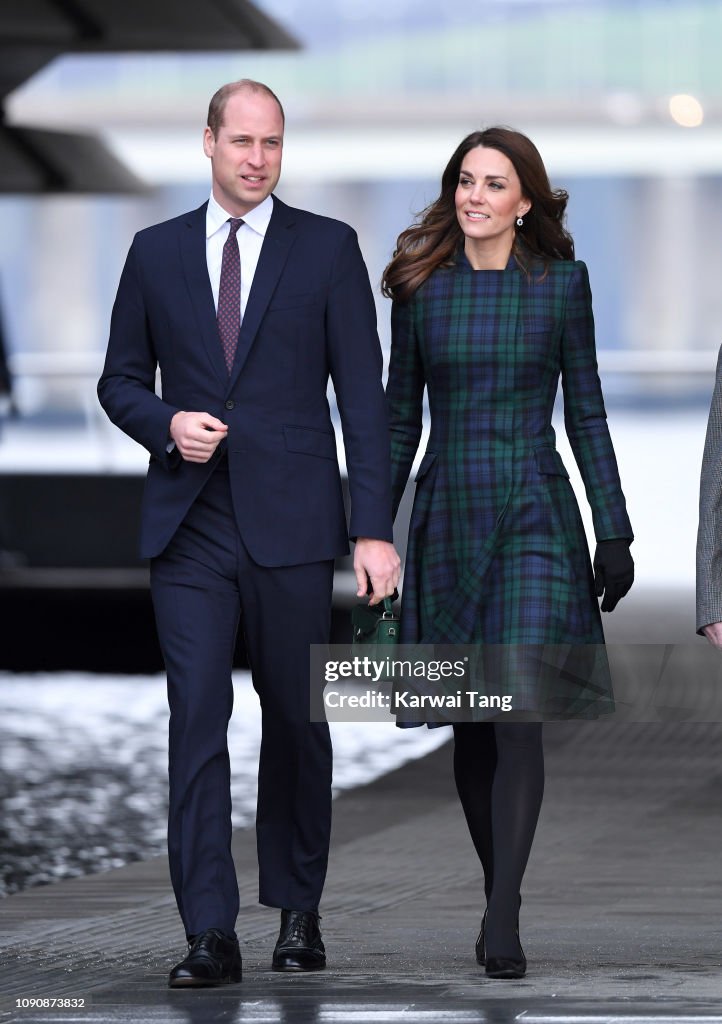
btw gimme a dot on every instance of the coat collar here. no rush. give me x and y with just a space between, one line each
462 262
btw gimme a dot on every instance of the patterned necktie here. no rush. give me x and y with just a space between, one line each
229 295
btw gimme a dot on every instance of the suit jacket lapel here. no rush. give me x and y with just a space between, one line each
280 236
195 268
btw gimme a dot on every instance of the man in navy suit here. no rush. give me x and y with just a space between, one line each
247 307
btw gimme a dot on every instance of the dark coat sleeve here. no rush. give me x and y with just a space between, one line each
585 417
5 379
126 389
404 396
356 364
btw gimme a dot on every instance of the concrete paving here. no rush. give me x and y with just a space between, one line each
620 921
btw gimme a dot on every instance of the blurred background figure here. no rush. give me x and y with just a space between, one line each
6 387
6 408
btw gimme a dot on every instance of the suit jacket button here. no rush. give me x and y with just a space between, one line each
230 404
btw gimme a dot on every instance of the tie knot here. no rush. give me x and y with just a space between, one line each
235 223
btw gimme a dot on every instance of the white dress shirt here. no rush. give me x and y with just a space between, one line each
250 237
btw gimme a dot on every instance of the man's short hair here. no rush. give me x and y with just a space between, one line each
217 106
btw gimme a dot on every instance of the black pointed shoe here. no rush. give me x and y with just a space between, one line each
299 946
213 959
480 949
496 966
505 966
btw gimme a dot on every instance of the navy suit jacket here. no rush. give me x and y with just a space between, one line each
310 315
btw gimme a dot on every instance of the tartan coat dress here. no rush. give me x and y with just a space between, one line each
497 553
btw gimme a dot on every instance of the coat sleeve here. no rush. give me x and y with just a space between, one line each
585 417
404 396
709 532
356 366
126 389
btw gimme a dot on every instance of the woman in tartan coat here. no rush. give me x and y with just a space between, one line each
489 310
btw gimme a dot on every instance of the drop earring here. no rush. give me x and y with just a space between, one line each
519 222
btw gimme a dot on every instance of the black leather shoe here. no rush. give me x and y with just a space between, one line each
213 959
505 967
299 946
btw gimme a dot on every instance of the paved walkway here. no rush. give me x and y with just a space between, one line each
621 915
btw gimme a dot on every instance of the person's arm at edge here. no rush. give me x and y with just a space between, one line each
709 531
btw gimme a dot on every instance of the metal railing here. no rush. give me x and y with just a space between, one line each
36 374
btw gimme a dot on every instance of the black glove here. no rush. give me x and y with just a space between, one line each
613 571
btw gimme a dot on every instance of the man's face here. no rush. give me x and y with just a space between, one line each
246 154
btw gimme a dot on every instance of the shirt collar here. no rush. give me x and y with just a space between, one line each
257 219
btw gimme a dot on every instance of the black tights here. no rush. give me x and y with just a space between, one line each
499 774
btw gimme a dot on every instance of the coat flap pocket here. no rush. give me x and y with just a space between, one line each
310 441
426 463
548 460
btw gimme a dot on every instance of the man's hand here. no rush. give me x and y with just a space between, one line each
376 560
197 435
713 632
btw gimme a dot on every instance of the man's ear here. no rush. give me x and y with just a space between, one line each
209 142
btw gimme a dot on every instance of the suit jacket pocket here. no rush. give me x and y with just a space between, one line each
310 441
568 550
549 462
293 302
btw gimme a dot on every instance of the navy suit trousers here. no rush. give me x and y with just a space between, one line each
204 585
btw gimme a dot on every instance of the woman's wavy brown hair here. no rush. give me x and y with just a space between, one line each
433 240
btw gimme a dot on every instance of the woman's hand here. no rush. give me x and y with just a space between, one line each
613 571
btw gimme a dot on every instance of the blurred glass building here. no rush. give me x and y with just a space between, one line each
376 102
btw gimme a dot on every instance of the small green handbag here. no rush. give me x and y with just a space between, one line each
374 626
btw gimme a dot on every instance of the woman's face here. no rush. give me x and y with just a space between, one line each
488 197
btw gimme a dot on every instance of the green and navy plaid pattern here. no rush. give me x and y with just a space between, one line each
497 551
